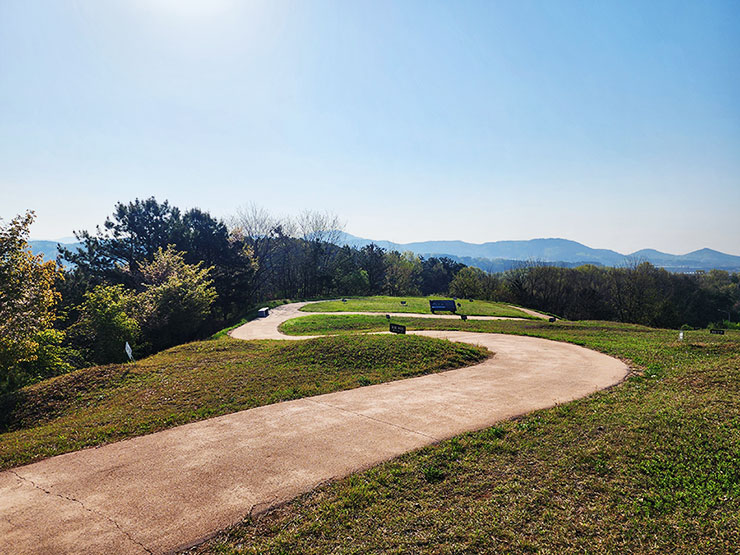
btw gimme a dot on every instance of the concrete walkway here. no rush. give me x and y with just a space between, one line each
267 328
168 490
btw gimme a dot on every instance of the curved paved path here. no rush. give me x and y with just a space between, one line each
267 328
167 490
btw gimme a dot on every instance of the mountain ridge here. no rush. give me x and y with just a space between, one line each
556 250
496 256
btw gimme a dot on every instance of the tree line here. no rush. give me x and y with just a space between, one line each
638 294
155 276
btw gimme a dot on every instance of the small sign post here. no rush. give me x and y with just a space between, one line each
552 319
397 328
464 316
129 351
717 332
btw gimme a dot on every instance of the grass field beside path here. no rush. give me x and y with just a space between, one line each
417 305
102 404
651 465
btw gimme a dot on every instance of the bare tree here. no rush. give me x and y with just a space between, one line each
253 221
320 227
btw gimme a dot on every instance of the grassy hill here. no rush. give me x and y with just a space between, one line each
416 305
651 465
102 404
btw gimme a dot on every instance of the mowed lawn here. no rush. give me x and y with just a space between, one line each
102 404
416 305
649 466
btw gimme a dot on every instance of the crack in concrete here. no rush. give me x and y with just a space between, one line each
374 419
81 504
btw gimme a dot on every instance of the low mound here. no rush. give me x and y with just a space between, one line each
199 380
417 305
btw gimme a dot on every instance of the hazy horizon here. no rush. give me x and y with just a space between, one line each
615 125
70 239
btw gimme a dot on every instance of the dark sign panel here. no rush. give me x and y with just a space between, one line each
717 332
552 319
463 316
397 328
449 306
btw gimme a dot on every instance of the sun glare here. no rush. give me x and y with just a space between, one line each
188 9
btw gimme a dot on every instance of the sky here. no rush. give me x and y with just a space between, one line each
616 124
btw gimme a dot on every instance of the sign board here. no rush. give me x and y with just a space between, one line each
464 316
449 306
552 319
344 300
403 302
129 351
397 328
717 332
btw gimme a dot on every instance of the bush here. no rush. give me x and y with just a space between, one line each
176 301
106 324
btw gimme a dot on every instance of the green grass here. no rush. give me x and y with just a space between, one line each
418 305
102 404
651 465
334 324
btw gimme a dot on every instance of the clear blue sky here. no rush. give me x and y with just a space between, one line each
616 124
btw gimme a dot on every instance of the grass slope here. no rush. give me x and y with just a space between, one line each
199 380
651 465
417 305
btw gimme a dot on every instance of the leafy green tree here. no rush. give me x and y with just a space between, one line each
403 273
128 239
437 273
349 278
176 300
372 260
105 324
354 283
28 299
468 283
131 237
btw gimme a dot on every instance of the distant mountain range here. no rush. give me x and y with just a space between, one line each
498 256
49 248
502 255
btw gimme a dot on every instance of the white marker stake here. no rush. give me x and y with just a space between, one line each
680 336
129 352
